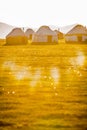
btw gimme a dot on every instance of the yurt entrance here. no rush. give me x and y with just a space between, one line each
49 38
79 38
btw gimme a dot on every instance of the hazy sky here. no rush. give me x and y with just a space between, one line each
35 13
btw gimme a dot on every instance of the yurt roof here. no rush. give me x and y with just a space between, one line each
58 32
29 31
45 30
16 32
78 29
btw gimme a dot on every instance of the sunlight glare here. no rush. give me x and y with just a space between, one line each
55 74
79 60
9 65
21 73
35 78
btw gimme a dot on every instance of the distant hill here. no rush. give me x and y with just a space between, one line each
67 28
5 29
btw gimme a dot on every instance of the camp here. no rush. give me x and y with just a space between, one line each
45 35
29 33
16 37
78 34
59 34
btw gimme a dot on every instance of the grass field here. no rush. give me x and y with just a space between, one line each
43 87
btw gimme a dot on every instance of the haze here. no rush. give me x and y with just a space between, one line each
35 13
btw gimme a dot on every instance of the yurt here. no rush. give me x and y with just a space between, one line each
77 34
29 33
16 37
45 35
59 34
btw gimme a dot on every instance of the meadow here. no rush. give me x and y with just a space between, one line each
43 87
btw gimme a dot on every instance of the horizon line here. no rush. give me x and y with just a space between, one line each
41 25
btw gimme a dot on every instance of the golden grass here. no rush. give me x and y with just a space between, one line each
43 104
